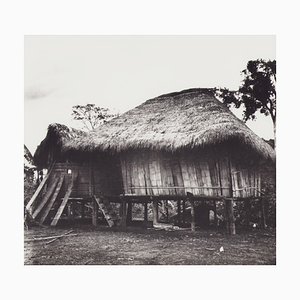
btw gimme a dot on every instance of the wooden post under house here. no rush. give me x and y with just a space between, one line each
82 209
155 212
124 213
193 223
179 211
263 213
91 193
229 205
146 213
129 212
183 211
247 207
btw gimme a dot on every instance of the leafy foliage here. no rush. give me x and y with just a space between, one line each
91 115
257 92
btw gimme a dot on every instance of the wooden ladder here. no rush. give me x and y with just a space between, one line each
52 200
106 209
63 203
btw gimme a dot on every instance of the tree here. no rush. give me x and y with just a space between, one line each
91 115
257 92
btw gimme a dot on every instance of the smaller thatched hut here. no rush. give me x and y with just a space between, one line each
176 146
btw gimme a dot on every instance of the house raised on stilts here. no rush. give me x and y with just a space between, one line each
182 146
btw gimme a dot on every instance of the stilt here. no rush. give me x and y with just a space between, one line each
229 205
94 212
120 210
193 223
124 214
146 213
183 211
129 212
82 210
263 214
178 211
226 215
70 211
215 214
247 206
155 212
229 217
167 210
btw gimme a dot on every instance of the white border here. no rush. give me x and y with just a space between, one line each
148 17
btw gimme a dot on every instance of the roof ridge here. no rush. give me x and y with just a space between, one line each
187 91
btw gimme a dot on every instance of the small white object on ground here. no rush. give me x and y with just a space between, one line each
222 249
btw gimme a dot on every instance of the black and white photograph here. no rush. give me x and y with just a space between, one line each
144 153
150 150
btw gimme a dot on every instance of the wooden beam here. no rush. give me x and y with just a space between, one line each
155 212
230 217
183 211
263 214
92 191
129 212
124 214
146 198
179 211
94 212
193 222
146 213
82 210
225 211
106 210
46 198
247 207
167 210
70 211
52 200
229 205
215 214
38 190
63 203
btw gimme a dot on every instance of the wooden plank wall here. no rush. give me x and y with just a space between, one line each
245 180
155 173
198 173
107 176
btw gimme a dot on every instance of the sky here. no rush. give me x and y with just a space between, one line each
121 72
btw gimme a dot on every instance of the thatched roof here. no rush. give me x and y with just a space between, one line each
182 120
57 137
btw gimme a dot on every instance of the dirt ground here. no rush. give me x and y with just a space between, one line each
140 246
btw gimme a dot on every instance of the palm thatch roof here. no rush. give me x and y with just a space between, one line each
54 143
181 120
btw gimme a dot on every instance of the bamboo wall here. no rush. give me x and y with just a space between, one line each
161 173
102 173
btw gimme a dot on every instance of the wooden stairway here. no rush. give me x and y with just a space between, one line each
107 210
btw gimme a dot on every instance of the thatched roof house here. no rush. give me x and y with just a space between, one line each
169 146
183 139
